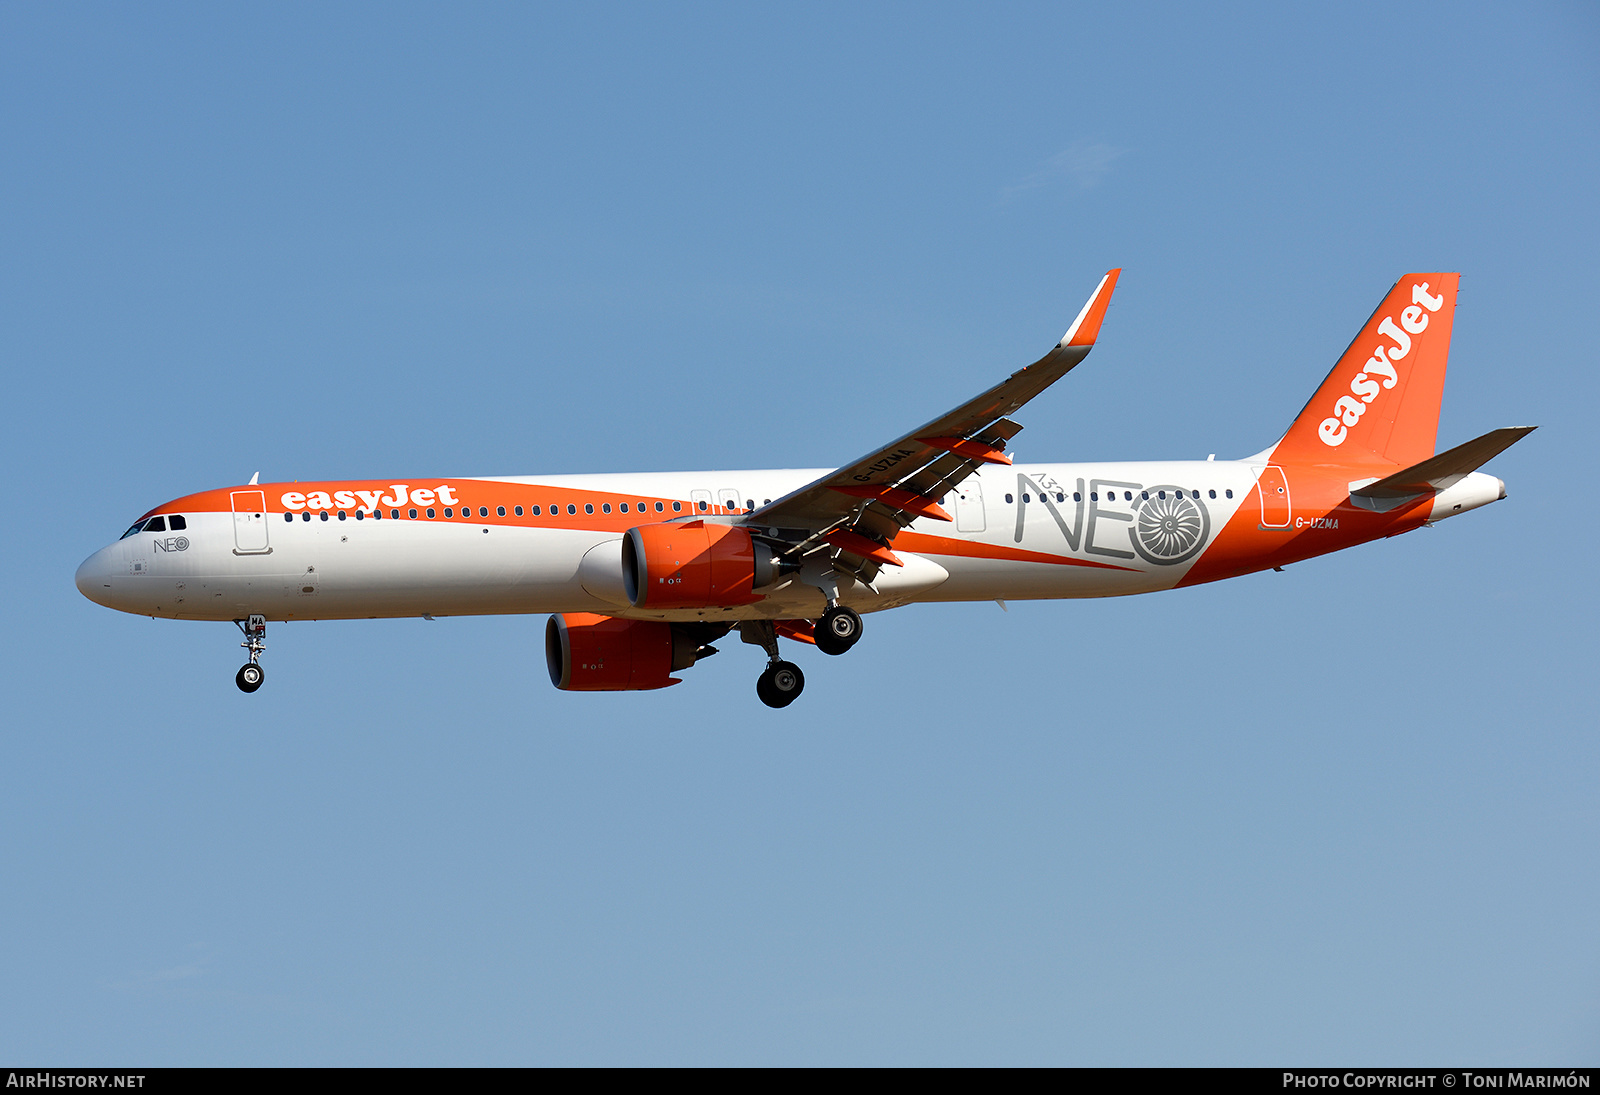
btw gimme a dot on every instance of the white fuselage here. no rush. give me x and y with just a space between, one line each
336 565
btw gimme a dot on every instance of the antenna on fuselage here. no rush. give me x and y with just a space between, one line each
255 480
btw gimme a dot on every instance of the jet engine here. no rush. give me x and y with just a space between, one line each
590 653
694 565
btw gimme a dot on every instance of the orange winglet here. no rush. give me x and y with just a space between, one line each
909 501
973 450
857 544
1086 328
801 631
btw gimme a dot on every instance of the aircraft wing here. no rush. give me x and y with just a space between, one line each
856 511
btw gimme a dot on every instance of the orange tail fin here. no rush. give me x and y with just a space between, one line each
1380 404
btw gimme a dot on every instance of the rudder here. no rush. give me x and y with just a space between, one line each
1380 404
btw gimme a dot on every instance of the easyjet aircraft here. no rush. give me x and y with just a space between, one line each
643 572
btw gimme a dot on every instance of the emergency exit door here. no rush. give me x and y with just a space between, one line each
968 499
250 522
1273 491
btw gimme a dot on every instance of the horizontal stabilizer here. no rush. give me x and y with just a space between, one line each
1440 472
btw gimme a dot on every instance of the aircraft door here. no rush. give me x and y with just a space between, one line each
968 499
729 499
250 522
700 501
1273 491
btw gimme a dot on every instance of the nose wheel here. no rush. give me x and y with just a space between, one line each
838 630
251 674
249 678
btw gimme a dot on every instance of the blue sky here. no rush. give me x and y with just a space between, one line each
1343 812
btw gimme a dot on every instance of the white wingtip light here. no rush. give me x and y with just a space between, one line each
1086 328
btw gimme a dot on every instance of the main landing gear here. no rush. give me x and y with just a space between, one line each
781 682
251 674
838 630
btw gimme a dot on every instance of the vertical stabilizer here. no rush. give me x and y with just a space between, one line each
1380 404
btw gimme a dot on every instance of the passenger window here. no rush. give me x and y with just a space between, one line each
305 516
1127 496
288 517
1094 496
500 511
1212 493
177 522
623 508
749 503
430 513
535 509
1009 499
1060 497
605 507
448 512
360 516
1026 498
1077 496
659 507
394 514
341 515
766 501
676 506
518 511
1229 493
588 507
323 515
157 524
412 513
571 508
702 507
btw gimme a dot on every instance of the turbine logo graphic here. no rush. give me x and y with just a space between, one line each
1170 525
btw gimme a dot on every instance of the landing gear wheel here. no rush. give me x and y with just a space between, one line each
780 684
838 630
250 677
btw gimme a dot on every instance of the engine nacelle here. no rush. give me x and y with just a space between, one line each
693 565
590 653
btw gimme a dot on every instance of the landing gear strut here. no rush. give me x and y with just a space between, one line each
251 674
838 630
781 682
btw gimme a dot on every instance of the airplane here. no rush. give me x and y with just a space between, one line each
643 572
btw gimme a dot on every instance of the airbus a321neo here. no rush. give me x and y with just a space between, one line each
643 572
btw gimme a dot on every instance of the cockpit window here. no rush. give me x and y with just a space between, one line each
177 523
137 525
156 524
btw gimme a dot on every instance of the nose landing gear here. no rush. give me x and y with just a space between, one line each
781 682
251 674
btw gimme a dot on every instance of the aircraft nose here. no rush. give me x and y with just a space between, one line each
94 576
